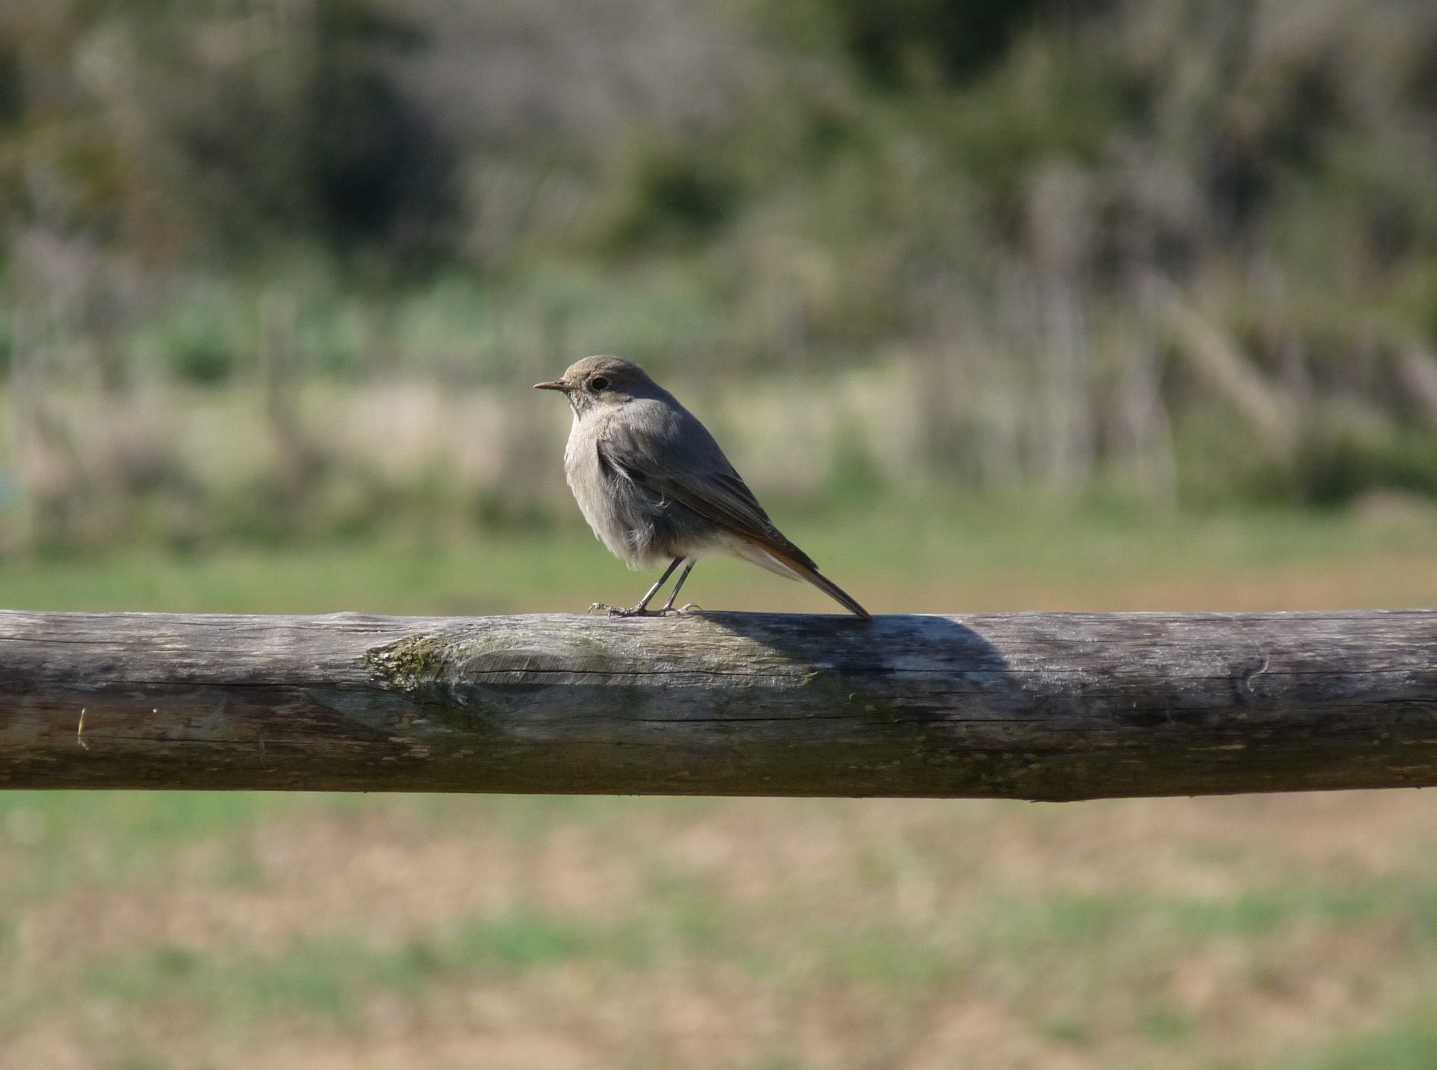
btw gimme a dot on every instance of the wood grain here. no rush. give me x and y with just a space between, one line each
1030 706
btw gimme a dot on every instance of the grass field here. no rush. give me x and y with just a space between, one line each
148 931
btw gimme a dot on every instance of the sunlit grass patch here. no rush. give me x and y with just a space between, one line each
1408 1044
947 554
52 839
323 977
1073 964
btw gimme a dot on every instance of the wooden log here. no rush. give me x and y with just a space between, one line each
1030 706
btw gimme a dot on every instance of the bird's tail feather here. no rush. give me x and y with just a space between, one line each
777 561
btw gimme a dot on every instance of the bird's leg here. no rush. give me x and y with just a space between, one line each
669 605
642 609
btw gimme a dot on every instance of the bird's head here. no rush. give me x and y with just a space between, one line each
598 382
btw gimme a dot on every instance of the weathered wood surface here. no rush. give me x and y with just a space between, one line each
1028 706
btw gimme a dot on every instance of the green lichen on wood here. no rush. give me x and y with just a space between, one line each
412 662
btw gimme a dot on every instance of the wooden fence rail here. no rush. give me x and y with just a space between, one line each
1031 706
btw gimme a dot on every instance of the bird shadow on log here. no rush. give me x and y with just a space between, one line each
891 643
904 704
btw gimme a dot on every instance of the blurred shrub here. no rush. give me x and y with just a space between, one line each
920 41
196 350
665 191
198 359
226 129
1335 466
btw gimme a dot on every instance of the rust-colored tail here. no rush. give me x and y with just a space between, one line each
784 562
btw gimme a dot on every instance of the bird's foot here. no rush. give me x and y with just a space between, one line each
641 610
614 611
687 607
634 611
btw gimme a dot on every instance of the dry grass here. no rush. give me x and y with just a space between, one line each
756 932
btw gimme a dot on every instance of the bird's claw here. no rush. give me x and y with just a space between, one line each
641 611
616 611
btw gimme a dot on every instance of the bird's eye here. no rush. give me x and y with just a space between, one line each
598 383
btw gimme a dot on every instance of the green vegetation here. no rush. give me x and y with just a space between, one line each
1410 1045
1184 250
939 556
328 977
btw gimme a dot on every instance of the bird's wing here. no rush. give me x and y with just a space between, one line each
672 455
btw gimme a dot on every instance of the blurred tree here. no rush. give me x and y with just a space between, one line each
313 134
380 168
229 130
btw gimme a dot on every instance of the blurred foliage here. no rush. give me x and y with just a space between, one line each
1181 247
663 193
925 41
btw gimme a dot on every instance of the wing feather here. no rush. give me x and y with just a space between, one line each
668 452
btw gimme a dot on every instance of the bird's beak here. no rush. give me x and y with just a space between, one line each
552 384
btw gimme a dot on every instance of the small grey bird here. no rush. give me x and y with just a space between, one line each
655 487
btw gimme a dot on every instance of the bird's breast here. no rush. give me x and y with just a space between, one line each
599 502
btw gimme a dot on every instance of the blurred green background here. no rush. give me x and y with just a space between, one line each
1033 305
